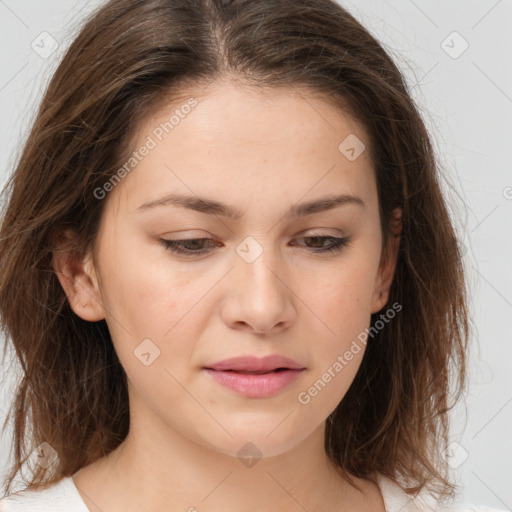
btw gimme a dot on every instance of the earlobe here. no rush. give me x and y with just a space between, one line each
388 264
77 277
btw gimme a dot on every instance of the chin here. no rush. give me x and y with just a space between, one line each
256 440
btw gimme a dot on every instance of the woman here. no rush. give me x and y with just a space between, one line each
243 284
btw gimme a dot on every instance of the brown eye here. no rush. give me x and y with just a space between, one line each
336 244
188 247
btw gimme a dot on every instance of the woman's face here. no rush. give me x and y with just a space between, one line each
261 283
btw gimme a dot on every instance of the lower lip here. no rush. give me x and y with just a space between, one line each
255 385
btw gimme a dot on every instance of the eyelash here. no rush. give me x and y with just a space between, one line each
176 246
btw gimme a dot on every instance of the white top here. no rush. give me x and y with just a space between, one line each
64 497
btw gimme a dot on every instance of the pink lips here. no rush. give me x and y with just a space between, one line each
256 377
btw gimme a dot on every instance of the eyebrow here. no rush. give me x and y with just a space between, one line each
212 207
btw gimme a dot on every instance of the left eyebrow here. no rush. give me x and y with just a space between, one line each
212 207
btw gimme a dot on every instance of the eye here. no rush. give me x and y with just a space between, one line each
183 246
196 246
336 243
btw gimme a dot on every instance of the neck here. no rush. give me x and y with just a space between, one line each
160 469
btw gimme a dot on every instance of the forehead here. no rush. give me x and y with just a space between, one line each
239 114
277 143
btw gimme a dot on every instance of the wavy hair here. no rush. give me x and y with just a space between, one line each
130 56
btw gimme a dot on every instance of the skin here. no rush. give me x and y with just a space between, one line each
261 152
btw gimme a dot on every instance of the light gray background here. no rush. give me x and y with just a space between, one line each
467 104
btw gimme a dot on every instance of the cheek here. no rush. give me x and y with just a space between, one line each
341 299
146 299
339 346
342 295
144 289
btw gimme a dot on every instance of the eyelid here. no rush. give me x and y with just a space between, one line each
337 244
310 232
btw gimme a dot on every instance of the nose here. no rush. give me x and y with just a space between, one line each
259 298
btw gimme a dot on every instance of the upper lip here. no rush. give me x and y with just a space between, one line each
253 363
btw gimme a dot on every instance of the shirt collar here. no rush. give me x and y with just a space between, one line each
397 500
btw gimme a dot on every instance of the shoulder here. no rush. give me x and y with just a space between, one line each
60 497
397 500
470 508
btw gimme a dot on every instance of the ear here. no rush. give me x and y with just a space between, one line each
77 277
387 264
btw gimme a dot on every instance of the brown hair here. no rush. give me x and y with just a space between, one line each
127 59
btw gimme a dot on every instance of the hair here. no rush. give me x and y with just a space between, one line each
127 60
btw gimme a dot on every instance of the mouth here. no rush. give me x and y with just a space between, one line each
250 363
255 383
255 377
254 372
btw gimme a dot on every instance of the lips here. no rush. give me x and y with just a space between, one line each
256 365
255 377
